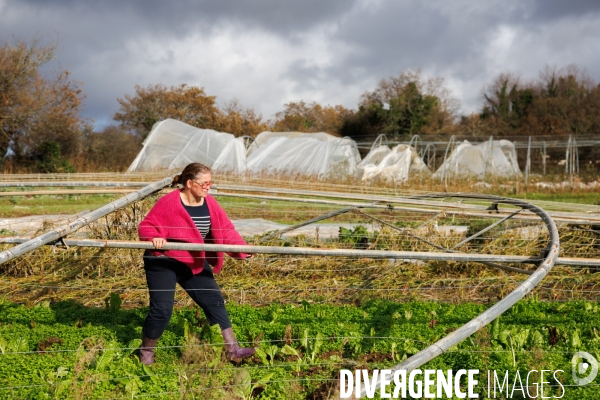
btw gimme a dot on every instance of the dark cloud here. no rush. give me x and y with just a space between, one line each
177 17
558 9
399 35
395 37
269 52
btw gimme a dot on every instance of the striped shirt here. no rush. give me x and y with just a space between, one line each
200 216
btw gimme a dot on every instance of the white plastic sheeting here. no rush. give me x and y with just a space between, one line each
173 144
264 137
374 157
312 154
394 165
490 158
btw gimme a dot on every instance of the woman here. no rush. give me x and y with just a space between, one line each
188 215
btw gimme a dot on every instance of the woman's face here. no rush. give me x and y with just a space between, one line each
199 186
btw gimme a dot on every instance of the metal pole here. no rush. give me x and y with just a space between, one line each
113 244
558 216
487 156
444 166
73 184
298 251
544 157
416 200
421 199
82 221
567 156
571 160
528 163
576 156
64 191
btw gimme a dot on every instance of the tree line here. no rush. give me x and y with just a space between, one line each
41 129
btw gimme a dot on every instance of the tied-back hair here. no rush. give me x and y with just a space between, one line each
191 171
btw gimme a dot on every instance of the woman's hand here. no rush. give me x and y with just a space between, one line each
158 243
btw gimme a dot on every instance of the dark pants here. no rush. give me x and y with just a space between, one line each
162 273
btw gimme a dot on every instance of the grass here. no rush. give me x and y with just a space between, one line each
66 350
565 197
22 206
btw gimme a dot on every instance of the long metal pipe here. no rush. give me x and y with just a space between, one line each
422 200
558 216
66 191
296 251
116 244
81 221
415 199
222 189
73 184
484 214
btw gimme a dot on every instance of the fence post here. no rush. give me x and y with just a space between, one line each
544 156
528 163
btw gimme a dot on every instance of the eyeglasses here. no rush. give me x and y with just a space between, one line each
204 185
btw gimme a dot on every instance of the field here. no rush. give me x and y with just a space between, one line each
70 319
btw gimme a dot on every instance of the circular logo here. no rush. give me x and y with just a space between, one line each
584 363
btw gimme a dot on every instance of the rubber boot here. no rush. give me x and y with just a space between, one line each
232 350
147 350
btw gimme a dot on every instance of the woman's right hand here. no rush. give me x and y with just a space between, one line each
158 243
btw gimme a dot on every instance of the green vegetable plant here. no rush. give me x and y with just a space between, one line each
14 345
243 386
312 347
267 355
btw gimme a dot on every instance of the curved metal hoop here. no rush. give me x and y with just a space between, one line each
451 143
427 152
416 139
248 140
379 141
550 256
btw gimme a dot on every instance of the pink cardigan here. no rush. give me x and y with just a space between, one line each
169 220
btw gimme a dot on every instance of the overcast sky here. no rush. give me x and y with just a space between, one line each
266 53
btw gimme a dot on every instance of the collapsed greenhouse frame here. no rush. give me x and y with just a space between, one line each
545 262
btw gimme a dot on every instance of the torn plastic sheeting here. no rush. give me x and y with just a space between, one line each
392 166
497 159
